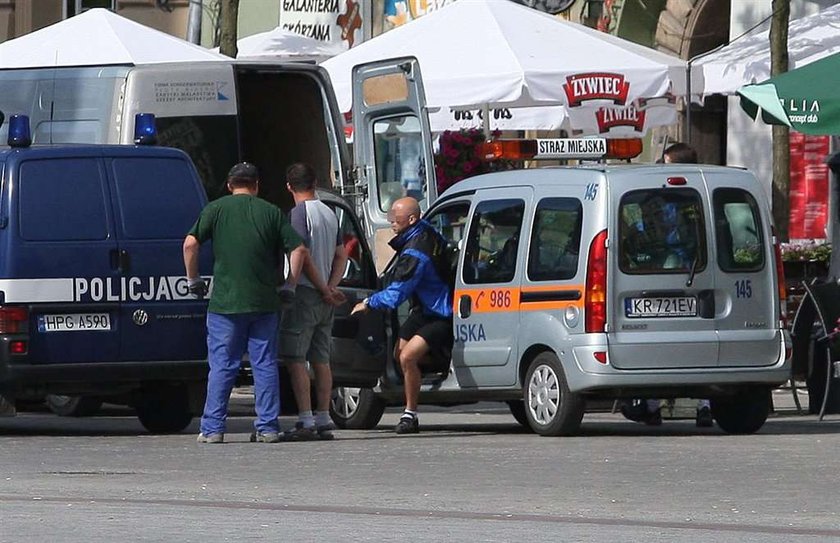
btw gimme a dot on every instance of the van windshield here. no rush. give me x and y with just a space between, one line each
661 231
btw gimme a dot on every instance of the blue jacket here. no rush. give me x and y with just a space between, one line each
417 273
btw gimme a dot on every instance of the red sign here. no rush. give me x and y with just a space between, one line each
581 88
610 117
808 186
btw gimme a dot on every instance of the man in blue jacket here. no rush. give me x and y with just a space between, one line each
420 273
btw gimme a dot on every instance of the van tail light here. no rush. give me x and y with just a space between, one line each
13 319
780 277
595 298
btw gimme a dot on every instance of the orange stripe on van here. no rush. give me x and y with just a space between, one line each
492 300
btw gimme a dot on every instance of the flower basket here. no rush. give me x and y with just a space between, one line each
458 158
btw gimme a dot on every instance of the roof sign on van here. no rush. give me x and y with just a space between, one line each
561 149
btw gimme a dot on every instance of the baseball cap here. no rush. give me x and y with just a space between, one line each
244 170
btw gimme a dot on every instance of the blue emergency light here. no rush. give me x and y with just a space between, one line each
145 131
19 135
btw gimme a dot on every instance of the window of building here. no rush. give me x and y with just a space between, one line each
75 7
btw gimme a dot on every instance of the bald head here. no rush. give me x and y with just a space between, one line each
404 213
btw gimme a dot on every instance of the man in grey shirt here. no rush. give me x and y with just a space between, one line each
306 326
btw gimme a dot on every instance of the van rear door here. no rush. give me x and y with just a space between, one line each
747 298
662 279
61 256
156 200
392 144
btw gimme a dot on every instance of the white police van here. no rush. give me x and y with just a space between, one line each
600 281
93 298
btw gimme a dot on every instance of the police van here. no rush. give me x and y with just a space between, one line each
599 281
93 298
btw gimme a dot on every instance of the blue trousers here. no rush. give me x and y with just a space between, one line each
227 338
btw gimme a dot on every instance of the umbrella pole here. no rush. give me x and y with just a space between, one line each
485 114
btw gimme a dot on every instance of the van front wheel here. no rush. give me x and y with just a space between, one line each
743 413
551 409
356 408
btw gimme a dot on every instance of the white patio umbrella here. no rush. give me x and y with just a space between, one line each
99 37
496 53
281 43
747 60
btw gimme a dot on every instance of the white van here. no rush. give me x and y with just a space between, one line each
598 282
270 114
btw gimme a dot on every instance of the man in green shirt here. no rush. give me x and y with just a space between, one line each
249 236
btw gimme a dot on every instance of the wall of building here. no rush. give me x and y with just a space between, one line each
750 143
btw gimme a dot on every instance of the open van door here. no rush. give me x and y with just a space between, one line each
392 144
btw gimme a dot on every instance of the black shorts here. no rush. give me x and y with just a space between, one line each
436 331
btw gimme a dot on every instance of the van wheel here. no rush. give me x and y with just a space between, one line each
356 408
165 410
517 409
744 413
73 406
549 406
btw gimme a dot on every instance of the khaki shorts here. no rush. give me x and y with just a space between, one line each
306 328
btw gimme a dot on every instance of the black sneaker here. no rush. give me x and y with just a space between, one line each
635 410
704 418
654 418
408 425
300 433
325 431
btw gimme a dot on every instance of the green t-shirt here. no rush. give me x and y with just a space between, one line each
249 237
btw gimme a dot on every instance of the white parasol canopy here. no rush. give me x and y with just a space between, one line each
280 43
747 60
497 53
98 37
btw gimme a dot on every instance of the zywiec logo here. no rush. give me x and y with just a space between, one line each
581 88
611 117
349 21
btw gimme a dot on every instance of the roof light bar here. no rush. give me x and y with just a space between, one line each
560 149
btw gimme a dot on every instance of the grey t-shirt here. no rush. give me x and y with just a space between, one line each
317 225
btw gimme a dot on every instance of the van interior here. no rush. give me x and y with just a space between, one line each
283 120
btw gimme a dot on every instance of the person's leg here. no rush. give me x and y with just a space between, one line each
296 327
704 417
262 350
300 384
411 353
226 340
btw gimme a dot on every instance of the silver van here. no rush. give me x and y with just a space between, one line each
601 281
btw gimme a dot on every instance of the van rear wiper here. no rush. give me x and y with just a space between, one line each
693 271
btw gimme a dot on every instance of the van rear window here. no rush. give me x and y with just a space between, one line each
661 231
740 245
157 198
62 199
555 240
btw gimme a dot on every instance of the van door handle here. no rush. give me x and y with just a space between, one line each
464 306
706 304
120 261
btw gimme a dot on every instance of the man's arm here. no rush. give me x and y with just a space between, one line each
338 264
314 276
407 273
297 259
191 247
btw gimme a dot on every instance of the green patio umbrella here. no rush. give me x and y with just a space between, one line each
806 99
